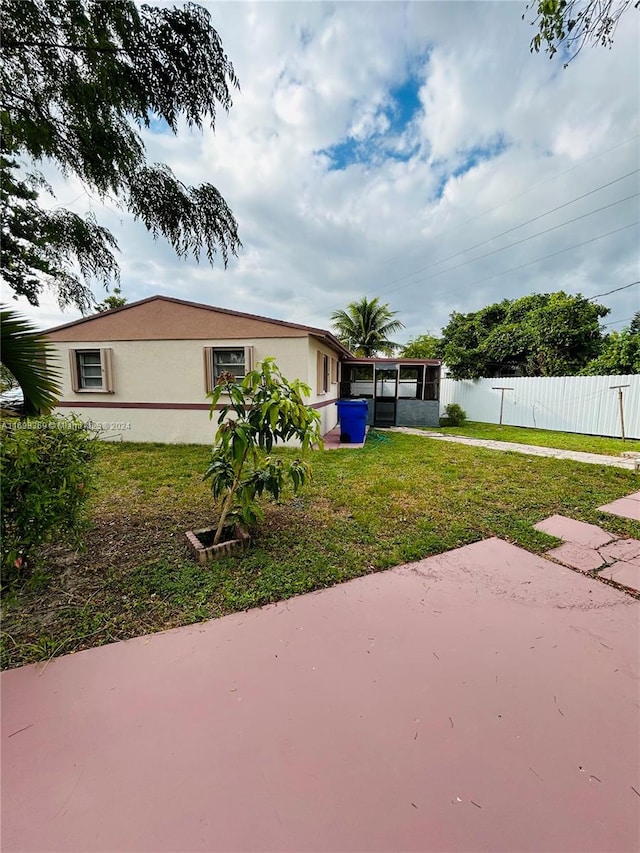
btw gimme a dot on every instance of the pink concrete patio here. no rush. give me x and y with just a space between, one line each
331 441
589 548
628 507
484 699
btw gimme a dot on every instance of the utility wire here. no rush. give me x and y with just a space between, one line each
616 322
536 260
515 243
531 189
624 287
517 227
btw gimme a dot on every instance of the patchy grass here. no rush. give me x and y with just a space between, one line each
543 438
400 498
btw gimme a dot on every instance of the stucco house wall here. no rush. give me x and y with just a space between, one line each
323 400
154 373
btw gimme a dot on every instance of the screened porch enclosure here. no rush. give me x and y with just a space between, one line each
399 392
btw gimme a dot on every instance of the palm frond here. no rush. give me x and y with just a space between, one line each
28 356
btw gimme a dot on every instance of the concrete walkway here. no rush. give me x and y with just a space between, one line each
589 548
529 449
481 700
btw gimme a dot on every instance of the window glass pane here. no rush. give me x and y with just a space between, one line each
431 385
229 361
411 373
361 389
408 390
410 386
362 373
386 381
90 369
229 357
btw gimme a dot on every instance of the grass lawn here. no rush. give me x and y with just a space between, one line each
399 499
543 438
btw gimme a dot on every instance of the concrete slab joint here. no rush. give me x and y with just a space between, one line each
588 548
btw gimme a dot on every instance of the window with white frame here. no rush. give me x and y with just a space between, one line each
91 370
220 360
229 361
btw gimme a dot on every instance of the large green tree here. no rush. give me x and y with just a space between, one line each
569 25
546 334
365 327
422 346
620 353
80 79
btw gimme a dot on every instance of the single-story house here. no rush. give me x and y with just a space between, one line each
142 372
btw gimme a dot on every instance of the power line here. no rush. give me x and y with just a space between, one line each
537 185
617 322
543 258
517 227
615 290
515 243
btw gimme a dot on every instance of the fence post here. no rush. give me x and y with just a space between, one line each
620 405
502 390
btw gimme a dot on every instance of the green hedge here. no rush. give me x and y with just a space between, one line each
47 473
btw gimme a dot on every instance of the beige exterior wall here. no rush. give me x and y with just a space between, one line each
165 372
170 371
166 426
329 412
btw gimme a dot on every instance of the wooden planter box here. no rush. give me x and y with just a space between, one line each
204 553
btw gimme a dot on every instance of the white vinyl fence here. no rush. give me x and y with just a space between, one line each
585 404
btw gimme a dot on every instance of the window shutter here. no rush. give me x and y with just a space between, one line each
319 373
334 371
107 370
248 359
73 367
208 369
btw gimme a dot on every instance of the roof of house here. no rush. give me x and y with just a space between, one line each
430 362
166 318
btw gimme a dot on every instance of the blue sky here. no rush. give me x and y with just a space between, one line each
370 141
394 118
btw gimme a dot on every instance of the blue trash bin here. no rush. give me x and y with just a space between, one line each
352 415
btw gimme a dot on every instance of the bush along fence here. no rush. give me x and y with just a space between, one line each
584 404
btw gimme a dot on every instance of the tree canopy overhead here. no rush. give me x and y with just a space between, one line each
569 25
80 80
546 334
365 326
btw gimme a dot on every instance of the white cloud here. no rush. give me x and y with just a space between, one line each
314 238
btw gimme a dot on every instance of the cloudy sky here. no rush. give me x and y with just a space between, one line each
412 151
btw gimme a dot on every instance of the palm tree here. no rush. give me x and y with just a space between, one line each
24 354
365 327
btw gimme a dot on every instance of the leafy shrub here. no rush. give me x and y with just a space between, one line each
47 474
454 415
